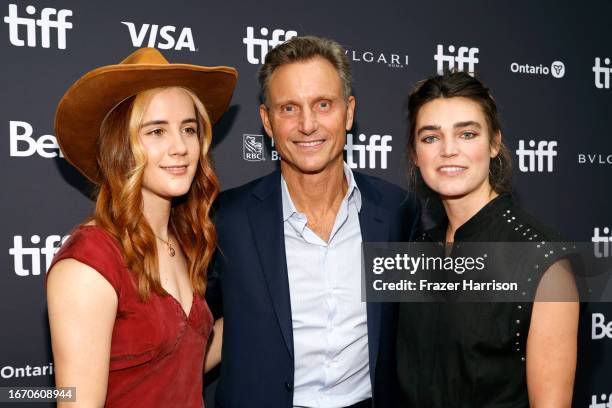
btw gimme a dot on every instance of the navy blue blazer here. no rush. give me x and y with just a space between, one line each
249 286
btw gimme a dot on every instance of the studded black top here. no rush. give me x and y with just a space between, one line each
470 354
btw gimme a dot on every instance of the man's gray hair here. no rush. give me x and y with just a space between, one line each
305 48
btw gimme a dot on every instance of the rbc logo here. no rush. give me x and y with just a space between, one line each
465 55
46 22
20 253
602 71
253 148
278 37
536 158
377 146
185 39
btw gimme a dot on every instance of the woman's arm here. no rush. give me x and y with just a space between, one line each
82 308
213 354
552 340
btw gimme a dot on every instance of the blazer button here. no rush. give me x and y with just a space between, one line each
288 386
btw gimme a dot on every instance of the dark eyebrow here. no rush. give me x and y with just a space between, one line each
428 128
165 122
467 123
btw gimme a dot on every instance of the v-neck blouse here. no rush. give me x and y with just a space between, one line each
157 351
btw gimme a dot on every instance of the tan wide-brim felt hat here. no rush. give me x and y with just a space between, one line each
84 106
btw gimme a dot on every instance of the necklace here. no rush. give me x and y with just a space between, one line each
169 246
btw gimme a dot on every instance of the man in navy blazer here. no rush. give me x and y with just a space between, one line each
287 274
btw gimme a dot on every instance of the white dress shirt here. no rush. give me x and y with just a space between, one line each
330 336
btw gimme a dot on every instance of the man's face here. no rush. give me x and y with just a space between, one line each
307 116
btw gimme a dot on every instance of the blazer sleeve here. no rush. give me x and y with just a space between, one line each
214 292
408 222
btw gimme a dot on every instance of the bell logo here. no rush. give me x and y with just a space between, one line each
278 37
377 146
599 328
24 145
33 254
532 159
50 19
167 34
465 55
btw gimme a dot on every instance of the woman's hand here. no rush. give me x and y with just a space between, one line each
213 353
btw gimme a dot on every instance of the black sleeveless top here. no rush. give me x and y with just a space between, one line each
460 355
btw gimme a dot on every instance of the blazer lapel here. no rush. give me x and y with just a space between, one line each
374 224
266 218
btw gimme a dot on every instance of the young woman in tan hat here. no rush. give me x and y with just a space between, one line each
129 323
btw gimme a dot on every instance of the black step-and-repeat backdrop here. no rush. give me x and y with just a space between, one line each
548 65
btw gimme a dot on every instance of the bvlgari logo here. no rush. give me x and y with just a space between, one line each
595 158
388 59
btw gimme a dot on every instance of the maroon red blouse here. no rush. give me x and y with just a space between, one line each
157 352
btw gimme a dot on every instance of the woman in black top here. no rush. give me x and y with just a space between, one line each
498 355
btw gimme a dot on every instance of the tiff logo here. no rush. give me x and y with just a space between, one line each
167 34
465 55
602 244
20 134
252 43
377 146
602 71
536 158
34 254
253 148
50 18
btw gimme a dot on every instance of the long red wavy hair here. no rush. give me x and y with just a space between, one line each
121 160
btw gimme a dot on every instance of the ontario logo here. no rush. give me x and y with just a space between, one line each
557 69
253 148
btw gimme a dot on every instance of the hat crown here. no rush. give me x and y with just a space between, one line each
145 56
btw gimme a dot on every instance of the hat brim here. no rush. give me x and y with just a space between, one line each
84 106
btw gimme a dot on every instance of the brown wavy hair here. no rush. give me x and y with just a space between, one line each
121 160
